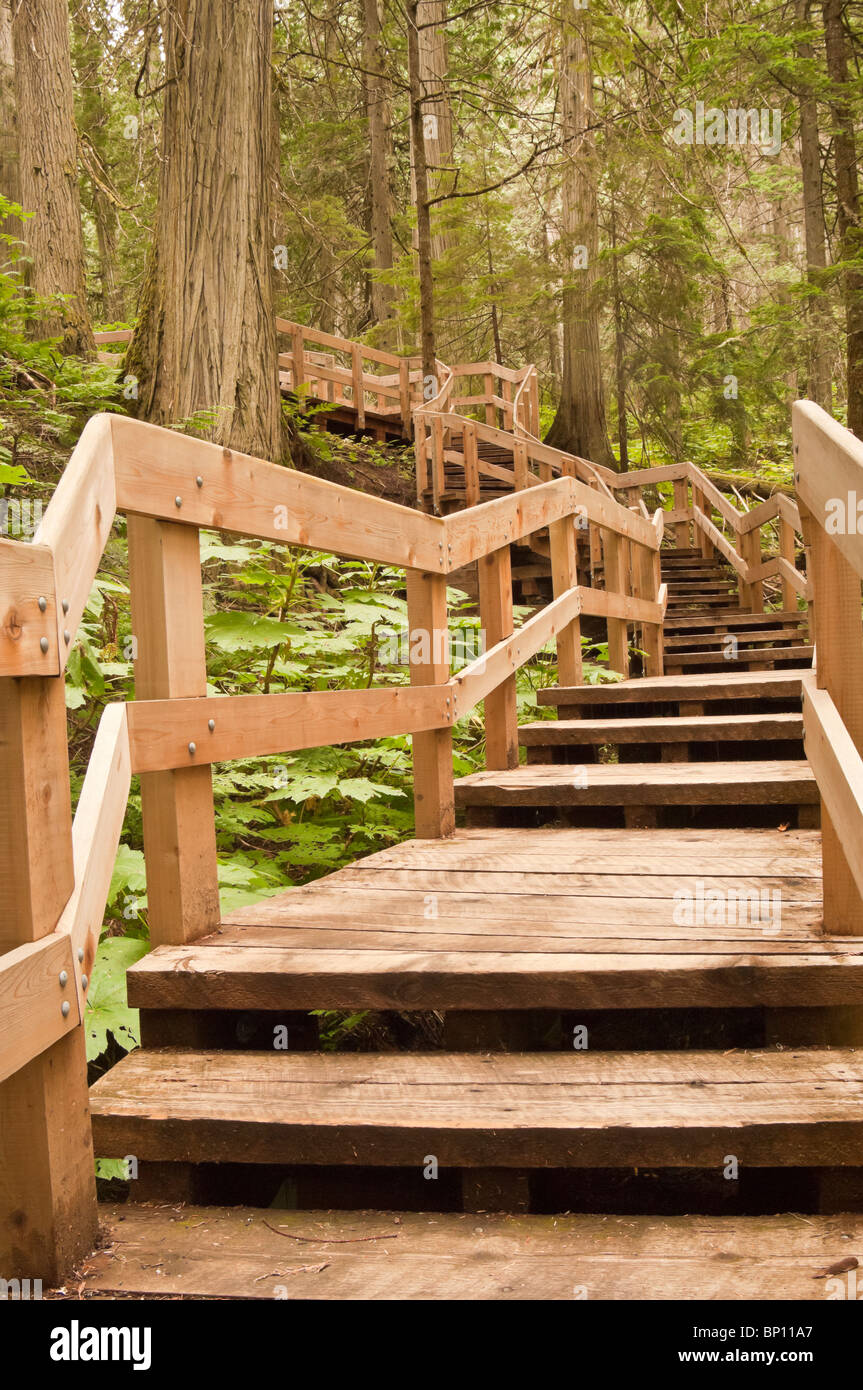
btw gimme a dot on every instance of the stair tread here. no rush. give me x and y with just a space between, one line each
563 1109
675 728
741 619
692 783
733 685
556 918
235 1252
765 654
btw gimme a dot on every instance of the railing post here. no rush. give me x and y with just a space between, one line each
428 636
839 671
534 404
421 451
298 355
357 385
646 579
520 465
496 621
704 541
786 551
615 583
564 575
438 470
681 502
48 1218
177 807
750 550
490 410
506 392
405 396
471 464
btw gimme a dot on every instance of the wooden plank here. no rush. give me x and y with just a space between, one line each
717 539
47 1189
77 523
434 812
782 1109
255 726
838 768
693 729
28 611
616 586
564 577
96 832
244 494
31 997
828 470
471 471
634 784
496 622
839 671
234 1252
733 686
177 806
486 673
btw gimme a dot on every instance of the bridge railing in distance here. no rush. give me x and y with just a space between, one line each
55 872
828 474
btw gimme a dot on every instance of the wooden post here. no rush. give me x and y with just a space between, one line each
506 392
564 575
615 583
786 550
520 465
839 671
534 403
357 385
405 396
681 502
471 468
178 814
48 1218
434 802
298 364
645 584
438 470
703 540
750 549
495 609
421 435
490 411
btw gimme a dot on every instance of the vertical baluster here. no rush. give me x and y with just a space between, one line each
495 609
615 583
434 804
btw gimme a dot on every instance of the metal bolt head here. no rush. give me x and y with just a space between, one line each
192 749
65 1008
80 953
178 502
43 603
211 724
67 636
199 482
63 977
43 644
84 982
65 605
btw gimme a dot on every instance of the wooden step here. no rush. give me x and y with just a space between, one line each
750 656
755 783
738 620
737 685
567 733
524 1110
247 1253
679 641
554 919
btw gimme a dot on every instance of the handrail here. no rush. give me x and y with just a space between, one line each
828 474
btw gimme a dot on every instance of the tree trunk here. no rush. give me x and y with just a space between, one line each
619 351
206 338
819 377
48 163
433 57
93 115
10 186
579 425
421 194
377 110
848 212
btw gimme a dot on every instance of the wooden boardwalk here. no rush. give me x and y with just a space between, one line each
630 948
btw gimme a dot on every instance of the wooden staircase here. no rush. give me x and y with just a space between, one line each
619 973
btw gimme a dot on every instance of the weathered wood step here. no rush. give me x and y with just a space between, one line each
738 619
750 656
555 919
737 685
244 1252
679 641
534 1110
755 783
550 733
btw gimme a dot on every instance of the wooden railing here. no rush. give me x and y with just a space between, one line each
55 874
703 516
828 474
